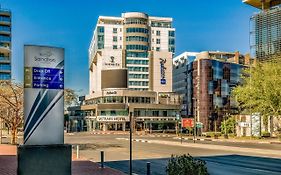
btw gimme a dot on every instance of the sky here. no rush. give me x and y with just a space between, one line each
200 26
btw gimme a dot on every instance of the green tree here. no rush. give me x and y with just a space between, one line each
11 102
70 98
228 125
260 91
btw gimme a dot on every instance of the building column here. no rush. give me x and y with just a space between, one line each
124 126
115 125
104 127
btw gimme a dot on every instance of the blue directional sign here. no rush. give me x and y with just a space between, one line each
47 78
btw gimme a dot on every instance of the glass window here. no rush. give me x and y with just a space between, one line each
158 33
157 48
114 46
114 30
114 38
172 33
157 41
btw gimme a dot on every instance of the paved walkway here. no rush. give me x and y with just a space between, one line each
8 164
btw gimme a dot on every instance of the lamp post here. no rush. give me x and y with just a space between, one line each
131 139
131 143
194 121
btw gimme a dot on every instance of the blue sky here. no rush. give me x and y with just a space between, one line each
200 25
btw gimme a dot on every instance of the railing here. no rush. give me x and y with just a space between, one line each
4 59
5 28
5 19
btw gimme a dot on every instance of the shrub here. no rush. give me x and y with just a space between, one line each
212 134
186 165
265 134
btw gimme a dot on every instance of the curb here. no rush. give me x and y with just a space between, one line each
231 141
135 140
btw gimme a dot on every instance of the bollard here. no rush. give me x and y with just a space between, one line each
148 168
101 159
77 151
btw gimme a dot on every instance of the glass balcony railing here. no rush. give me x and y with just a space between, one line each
5 19
5 39
4 58
5 28
5 67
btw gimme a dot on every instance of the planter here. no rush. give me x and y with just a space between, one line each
216 136
225 136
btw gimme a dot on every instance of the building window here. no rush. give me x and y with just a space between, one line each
114 46
101 29
157 41
114 38
114 30
158 33
120 38
157 48
120 29
120 47
172 33
136 30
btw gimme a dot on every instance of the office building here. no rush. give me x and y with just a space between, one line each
209 81
181 82
265 29
130 67
5 44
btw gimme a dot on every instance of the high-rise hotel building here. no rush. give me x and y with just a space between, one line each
130 67
265 29
5 44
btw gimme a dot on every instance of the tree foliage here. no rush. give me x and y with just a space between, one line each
186 164
11 102
70 97
228 125
260 91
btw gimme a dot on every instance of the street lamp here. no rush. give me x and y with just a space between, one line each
194 121
131 140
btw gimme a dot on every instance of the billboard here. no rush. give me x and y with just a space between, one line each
43 95
187 122
114 78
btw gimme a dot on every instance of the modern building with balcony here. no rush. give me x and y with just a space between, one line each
209 80
130 68
5 44
265 29
181 82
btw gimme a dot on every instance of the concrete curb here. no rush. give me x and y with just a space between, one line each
135 140
231 141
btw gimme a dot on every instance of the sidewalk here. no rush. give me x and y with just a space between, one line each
8 164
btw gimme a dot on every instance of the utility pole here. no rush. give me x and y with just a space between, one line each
131 143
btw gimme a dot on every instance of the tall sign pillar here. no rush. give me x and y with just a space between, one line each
44 113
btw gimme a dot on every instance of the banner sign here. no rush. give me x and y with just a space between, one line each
43 95
187 122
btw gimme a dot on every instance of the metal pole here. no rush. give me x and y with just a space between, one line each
148 171
102 159
131 144
77 151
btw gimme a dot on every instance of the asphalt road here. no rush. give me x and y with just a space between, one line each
222 157
217 165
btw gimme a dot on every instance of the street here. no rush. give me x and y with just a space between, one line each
231 157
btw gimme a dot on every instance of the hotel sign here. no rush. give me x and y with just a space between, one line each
112 118
112 62
43 95
163 71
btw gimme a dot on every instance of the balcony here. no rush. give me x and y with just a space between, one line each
5 59
5 30
6 20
